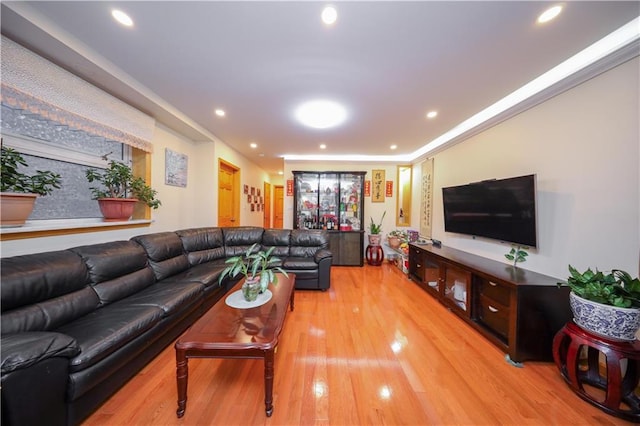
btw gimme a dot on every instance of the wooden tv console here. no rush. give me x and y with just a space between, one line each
520 311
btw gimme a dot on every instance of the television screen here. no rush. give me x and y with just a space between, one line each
501 209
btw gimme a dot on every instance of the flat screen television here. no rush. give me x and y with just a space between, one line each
500 209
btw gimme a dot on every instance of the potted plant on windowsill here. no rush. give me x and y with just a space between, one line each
20 190
120 192
374 231
258 267
607 304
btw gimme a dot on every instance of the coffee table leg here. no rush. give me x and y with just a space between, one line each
268 381
293 292
182 374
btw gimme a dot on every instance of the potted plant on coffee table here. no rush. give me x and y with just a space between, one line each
607 304
20 190
120 191
374 231
258 268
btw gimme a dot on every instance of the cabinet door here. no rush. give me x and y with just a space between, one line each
347 248
457 288
306 200
351 200
328 196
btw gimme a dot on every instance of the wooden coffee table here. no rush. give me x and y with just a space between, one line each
227 332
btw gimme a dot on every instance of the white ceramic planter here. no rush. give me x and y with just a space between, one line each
607 321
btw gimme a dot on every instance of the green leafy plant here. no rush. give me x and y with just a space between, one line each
119 182
376 228
12 180
254 263
615 288
517 254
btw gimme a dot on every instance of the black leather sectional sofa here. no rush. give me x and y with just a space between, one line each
78 323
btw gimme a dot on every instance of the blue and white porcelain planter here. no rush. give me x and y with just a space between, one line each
607 321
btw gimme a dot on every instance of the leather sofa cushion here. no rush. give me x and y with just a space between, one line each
202 244
165 252
299 264
278 239
116 269
170 297
23 350
305 243
50 314
239 239
33 278
206 273
107 329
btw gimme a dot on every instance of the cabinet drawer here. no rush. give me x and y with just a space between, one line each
496 292
495 316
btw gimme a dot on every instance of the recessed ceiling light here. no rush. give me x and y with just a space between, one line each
432 114
323 146
394 146
280 172
220 113
253 145
329 15
549 14
122 18
321 114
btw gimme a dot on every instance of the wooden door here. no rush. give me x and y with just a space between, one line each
278 206
267 205
228 194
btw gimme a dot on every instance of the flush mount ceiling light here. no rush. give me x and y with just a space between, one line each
432 114
329 15
253 145
323 146
122 18
220 113
321 114
393 147
549 14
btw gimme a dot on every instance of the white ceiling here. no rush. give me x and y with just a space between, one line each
387 62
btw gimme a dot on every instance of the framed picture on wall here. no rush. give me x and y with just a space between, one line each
175 168
377 186
246 189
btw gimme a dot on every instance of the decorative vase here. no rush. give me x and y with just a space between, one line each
117 209
394 242
251 288
15 208
374 239
607 321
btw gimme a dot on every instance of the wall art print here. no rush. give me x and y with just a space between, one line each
175 169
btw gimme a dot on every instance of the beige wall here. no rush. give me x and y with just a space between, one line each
584 147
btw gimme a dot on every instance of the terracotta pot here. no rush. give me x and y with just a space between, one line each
15 208
394 242
117 209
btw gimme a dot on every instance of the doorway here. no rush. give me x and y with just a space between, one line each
278 206
267 205
228 194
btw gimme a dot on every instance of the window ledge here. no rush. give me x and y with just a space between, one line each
48 228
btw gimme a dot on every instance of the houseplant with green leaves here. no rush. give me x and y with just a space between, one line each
375 229
606 303
259 269
120 191
19 189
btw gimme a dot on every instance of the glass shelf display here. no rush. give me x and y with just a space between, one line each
332 201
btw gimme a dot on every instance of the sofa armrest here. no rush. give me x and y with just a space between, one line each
322 254
22 350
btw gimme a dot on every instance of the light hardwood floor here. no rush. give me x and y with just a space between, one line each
374 349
